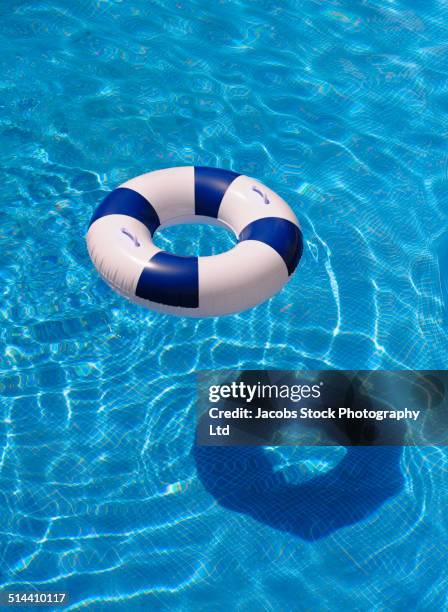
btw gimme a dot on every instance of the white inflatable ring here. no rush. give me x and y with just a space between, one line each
120 243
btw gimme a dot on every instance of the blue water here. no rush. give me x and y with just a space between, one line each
340 107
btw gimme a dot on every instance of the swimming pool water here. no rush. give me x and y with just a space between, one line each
340 107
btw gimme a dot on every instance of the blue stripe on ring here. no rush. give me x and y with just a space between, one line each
171 280
280 234
124 201
210 185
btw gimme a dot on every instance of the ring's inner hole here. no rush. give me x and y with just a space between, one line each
194 239
301 463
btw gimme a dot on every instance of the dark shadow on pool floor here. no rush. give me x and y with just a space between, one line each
242 479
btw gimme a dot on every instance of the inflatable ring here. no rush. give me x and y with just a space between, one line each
269 247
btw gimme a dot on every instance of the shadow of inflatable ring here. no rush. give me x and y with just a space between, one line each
242 479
